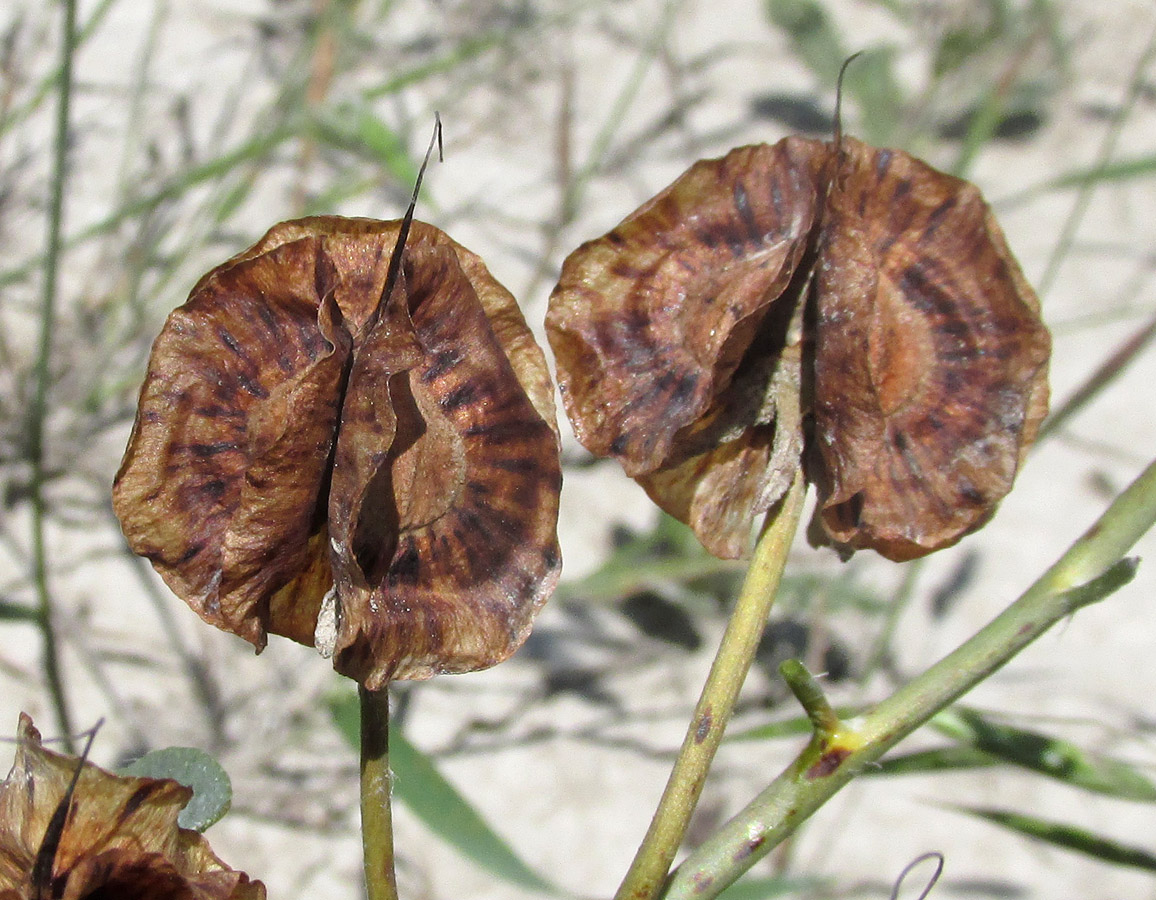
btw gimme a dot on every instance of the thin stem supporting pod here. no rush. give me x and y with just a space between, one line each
1089 571
716 703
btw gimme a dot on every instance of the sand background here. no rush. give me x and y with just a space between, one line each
566 748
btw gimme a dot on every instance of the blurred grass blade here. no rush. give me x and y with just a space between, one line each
1050 756
51 82
17 612
252 150
1137 85
461 53
1070 837
1104 375
195 769
774 886
812 35
356 129
419 785
943 759
786 728
1119 170
870 79
668 554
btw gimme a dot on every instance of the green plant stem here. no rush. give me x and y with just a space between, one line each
376 787
1090 570
39 406
728 672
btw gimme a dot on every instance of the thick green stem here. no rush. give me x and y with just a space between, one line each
376 817
729 670
1088 572
39 406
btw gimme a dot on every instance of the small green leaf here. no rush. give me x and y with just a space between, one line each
1068 836
212 790
419 785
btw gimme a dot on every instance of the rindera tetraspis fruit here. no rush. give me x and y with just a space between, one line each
113 836
307 445
831 305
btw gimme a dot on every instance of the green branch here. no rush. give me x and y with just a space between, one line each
1092 569
728 672
376 788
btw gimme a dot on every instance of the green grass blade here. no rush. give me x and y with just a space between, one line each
51 82
419 785
1070 837
357 130
812 36
870 79
250 151
943 759
1104 375
16 612
1046 755
1115 171
774 886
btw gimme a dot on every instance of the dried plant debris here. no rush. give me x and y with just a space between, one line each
72 833
830 305
307 447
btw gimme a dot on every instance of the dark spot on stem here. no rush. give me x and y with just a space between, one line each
828 763
702 729
749 847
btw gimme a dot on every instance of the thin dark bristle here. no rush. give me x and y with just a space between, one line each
403 234
45 862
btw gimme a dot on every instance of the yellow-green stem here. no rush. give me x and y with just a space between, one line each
376 817
1091 569
736 651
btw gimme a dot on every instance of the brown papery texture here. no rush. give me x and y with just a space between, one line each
853 311
298 432
120 839
930 359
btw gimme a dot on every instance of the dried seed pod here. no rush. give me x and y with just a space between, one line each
298 431
837 306
120 837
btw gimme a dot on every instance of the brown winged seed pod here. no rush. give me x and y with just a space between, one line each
120 836
307 447
836 306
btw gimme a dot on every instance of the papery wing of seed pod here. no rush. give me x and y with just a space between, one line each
229 457
650 323
930 359
121 838
720 490
470 484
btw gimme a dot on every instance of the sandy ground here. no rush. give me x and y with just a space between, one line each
570 776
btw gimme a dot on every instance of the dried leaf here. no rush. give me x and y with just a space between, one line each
298 431
120 837
853 296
